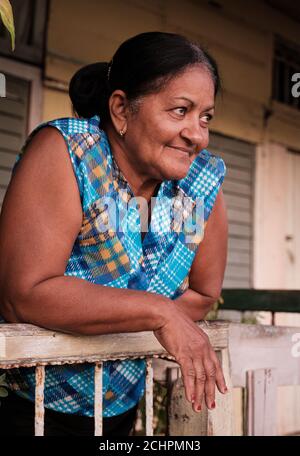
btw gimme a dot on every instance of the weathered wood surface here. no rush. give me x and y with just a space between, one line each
149 398
261 402
253 347
184 421
98 402
28 345
221 420
39 401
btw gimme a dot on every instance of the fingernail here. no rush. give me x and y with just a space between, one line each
225 390
213 405
198 408
193 398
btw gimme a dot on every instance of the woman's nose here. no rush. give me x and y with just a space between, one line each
195 135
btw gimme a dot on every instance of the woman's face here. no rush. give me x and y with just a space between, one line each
171 127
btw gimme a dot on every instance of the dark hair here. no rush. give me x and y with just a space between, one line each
141 65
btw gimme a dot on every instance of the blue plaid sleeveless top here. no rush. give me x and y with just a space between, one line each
115 256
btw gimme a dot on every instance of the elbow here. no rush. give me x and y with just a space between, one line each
8 310
215 298
212 297
213 302
210 303
11 305
214 294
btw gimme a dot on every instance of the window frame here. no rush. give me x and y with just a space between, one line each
34 76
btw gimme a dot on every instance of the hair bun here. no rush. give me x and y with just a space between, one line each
88 89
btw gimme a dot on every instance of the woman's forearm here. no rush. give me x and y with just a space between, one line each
195 305
73 305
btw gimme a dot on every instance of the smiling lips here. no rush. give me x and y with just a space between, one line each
182 149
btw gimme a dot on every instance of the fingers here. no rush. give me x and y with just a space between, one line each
188 376
199 364
210 374
220 380
201 374
200 382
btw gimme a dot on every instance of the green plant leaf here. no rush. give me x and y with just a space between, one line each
3 392
3 380
6 14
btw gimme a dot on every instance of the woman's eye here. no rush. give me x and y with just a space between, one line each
207 118
180 111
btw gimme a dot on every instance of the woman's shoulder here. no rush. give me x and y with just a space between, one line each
79 134
71 126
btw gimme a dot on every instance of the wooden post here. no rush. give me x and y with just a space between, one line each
182 420
261 402
221 420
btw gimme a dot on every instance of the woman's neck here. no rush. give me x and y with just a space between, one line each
140 184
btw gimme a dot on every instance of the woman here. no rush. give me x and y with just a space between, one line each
69 264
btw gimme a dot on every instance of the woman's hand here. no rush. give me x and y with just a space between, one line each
199 364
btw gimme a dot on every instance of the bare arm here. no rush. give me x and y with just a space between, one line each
207 272
40 220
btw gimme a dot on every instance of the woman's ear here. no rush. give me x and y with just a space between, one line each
118 108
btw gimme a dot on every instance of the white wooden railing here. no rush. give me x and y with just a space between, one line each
255 357
23 345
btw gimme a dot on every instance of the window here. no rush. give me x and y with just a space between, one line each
13 126
286 63
238 188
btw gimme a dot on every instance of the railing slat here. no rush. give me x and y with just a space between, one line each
39 401
149 397
98 405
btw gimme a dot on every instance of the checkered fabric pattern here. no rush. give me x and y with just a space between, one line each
112 253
